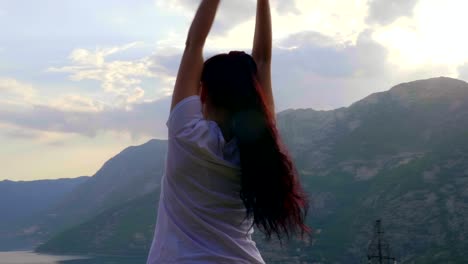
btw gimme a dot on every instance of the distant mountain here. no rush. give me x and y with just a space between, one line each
400 156
133 172
125 230
24 199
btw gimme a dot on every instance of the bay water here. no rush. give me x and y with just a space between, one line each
28 257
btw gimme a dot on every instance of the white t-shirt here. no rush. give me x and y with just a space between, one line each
200 215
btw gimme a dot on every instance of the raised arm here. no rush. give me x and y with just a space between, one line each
191 65
261 51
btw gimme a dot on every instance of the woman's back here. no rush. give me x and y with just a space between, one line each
201 216
213 192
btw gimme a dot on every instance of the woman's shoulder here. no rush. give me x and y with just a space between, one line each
205 143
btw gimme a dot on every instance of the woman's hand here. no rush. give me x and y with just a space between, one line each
191 65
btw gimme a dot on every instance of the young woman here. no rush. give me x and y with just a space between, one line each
226 168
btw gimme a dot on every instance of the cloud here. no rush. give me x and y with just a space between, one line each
85 114
122 78
235 20
22 134
137 94
285 7
15 94
96 58
11 89
312 70
315 53
432 36
335 65
316 62
230 13
340 20
309 70
463 72
142 119
76 103
343 20
385 12
307 38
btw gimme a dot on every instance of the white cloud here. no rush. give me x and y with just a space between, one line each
76 103
13 87
96 58
86 57
433 36
463 72
20 96
51 120
122 78
343 20
137 94
84 114
15 92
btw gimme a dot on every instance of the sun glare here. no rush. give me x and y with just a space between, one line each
433 36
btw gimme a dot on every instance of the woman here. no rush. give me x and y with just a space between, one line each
226 169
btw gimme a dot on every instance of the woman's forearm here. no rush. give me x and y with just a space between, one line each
263 33
191 66
202 23
261 51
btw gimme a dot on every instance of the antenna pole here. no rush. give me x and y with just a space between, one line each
379 249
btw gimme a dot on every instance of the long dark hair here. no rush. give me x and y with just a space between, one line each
270 187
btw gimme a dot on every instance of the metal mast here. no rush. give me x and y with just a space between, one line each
379 249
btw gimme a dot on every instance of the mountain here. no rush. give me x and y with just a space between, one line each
125 230
133 172
400 156
23 199
412 117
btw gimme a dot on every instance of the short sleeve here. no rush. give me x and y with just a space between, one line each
184 116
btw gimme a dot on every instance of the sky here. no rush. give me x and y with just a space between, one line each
82 80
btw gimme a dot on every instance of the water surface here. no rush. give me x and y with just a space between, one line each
28 257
